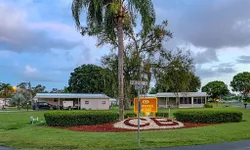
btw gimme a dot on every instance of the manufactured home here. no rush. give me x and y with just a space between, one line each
75 100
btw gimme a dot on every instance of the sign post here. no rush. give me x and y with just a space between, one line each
138 86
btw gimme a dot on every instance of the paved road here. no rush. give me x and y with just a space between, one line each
6 148
239 145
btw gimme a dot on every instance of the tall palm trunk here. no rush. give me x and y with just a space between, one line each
120 64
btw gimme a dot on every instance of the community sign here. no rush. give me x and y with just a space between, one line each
148 105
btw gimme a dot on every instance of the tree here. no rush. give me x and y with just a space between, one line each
21 97
55 90
112 18
173 71
241 83
215 89
6 90
86 79
194 84
153 91
137 51
39 89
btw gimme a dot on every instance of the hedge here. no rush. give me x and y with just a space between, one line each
78 117
208 116
208 105
132 114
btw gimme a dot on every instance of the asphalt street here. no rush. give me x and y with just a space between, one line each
239 145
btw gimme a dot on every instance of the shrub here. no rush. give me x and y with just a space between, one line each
75 118
130 115
207 105
161 114
158 114
208 116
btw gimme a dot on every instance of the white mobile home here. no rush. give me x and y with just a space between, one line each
81 101
182 99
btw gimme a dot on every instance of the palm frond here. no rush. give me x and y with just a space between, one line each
146 9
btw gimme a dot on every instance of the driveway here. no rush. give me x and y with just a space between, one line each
239 145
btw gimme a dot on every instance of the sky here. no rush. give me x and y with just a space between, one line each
39 41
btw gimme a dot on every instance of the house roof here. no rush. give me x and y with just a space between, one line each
70 95
181 94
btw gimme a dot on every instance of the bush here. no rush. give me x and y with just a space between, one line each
75 118
133 115
207 105
208 116
130 115
161 114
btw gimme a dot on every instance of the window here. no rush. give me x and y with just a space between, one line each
185 100
86 102
103 102
199 100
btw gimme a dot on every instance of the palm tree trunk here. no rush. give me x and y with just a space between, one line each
120 64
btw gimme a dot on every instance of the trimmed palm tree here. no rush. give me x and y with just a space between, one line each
108 20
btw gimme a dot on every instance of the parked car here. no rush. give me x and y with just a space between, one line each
43 106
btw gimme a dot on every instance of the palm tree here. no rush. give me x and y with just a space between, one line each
5 91
108 20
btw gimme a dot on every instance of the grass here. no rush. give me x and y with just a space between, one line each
15 131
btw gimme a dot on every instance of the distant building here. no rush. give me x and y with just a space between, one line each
79 100
180 100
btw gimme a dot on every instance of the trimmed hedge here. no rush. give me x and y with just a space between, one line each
208 105
78 117
133 115
208 116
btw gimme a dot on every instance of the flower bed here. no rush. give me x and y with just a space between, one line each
109 127
149 123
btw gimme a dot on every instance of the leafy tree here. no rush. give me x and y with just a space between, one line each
86 79
241 83
194 84
112 19
137 51
6 91
55 90
21 97
39 89
173 72
215 89
153 90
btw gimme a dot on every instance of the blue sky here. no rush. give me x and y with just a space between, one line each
39 42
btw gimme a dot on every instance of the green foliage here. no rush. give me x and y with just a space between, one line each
75 118
93 79
161 114
241 83
133 115
177 75
129 115
215 89
208 116
208 105
102 16
86 79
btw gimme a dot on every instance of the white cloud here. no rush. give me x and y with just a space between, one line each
30 70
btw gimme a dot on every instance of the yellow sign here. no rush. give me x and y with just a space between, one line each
148 105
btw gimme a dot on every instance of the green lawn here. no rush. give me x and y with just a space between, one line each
15 131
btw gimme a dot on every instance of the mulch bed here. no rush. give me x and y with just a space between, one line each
109 128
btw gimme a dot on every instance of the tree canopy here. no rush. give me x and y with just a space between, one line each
216 89
241 83
174 72
92 79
